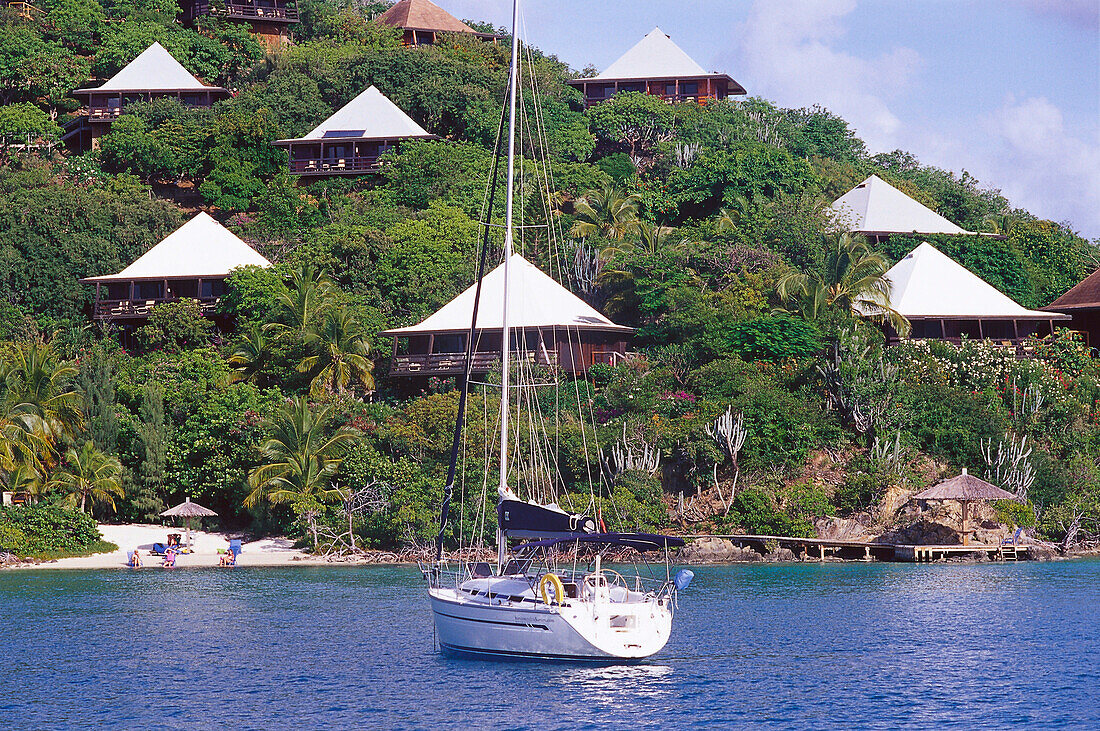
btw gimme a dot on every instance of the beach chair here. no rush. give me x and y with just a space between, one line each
235 547
158 549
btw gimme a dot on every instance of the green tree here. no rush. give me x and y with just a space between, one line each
299 457
608 211
340 355
153 434
853 281
89 476
38 384
634 119
26 124
251 354
173 326
96 383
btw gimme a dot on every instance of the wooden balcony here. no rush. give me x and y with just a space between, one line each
103 114
140 309
275 13
334 166
451 364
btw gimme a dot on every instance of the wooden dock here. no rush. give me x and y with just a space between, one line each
809 549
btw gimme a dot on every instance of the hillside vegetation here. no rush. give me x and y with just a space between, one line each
703 226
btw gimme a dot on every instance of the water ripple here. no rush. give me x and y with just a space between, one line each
830 646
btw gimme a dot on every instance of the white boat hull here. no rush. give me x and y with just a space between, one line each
577 631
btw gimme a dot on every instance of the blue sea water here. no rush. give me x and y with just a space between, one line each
831 646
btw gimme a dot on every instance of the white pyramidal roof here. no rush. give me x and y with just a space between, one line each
370 115
202 247
875 206
927 284
154 69
653 56
534 300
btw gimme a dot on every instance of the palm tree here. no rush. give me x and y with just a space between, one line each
89 475
26 480
341 354
308 292
728 219
607 211
999 224
25 440
37 383
853 279
250 355
300 460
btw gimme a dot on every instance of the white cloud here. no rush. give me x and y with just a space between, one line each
1043 168
790 53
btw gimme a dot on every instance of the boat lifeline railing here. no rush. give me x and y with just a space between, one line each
452 575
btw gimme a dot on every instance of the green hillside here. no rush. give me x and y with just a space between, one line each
696 219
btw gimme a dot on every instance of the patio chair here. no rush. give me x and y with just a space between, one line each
1008 546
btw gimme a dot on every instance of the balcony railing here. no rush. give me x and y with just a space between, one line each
333 166
589 101
436 364
110 309
286 13
103 114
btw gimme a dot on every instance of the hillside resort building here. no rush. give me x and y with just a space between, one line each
154 74
193 262
657 66
351 140
550 326
422 22
268 20
877 210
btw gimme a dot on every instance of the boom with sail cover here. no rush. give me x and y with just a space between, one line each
521 519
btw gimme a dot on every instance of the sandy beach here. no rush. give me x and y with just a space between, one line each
264 552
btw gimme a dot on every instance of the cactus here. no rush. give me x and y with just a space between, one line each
729 434
1010 468
623 457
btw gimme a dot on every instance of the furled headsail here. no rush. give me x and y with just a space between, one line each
521 519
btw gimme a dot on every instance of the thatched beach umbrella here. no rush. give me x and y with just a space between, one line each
188 510
965 488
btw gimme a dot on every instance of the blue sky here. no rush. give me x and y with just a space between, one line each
1008 90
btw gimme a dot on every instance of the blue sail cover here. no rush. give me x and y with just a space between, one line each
519 519
637 541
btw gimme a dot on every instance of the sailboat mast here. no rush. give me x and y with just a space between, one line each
506 334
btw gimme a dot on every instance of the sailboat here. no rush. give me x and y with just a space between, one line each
550 594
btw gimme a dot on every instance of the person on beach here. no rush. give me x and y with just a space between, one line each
229 558
169 558
135 559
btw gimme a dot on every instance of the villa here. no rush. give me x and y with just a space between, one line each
944 301
192 262
657 66
1082 304
154 74
422 22
269 20
351 141
878 210
550 326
